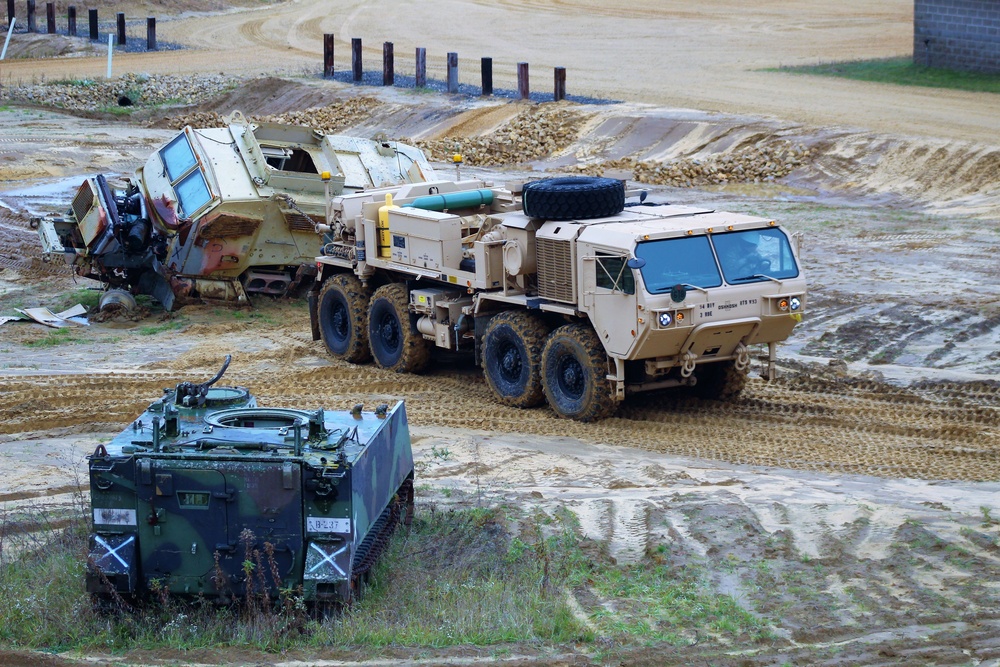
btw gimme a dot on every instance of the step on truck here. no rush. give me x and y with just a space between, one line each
569 291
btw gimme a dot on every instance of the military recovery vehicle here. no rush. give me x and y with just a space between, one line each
206 481
565 293
221 213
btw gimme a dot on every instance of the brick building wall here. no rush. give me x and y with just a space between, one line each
957 34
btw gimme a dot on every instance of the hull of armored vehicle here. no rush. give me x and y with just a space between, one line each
194 491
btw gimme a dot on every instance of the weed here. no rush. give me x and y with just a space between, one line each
55 337
167 325
988 519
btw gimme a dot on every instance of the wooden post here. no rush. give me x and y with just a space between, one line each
452 72
92 17
31 16
560 89
328 41
421 68
71 20
50 17
487 69
388 73
522 81
10 11
150 33
356 59
121 29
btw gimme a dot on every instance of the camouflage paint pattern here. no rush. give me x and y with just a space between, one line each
230 498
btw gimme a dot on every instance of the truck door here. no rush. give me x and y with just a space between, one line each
609 299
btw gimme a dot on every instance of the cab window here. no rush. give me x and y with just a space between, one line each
613 274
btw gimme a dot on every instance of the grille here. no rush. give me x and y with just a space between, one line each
228 226
83 201
301 223
555 270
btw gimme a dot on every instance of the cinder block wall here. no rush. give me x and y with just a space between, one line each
957 34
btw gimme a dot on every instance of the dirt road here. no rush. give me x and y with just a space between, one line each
664 53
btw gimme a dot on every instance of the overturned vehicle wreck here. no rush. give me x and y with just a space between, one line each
221 213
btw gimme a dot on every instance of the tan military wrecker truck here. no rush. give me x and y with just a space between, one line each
565 293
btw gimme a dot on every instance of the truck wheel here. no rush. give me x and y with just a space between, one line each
719 381
573 198
395 343
512 358
574 374
343 318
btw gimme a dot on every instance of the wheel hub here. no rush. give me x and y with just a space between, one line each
510 363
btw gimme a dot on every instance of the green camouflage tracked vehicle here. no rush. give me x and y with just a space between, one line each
206 488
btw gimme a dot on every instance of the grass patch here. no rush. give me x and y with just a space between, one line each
54 337
88 298
454 578
901 71
166 325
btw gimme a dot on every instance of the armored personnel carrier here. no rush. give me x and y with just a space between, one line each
206 481
221 213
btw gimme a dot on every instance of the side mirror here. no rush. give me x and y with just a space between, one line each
635 263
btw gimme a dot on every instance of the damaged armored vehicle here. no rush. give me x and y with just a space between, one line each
221 213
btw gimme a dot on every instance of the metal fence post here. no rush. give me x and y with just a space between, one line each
487 71
560 84
356 58
388 72
92 18
328 41
523 90
121 29
71 20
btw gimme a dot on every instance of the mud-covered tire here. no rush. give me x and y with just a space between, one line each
395 343
574 374
573 198
343 318
719 381
512 358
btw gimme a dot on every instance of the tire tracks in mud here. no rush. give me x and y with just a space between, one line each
940 431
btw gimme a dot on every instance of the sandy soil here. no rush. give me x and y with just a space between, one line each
859 478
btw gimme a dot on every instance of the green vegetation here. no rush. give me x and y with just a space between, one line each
454 578
88 298
56 337
167 325
901 71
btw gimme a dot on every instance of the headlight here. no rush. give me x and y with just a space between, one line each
796 303
665 319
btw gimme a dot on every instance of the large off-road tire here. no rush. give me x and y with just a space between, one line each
343 318
574 374
395 343
720 381
573 198
512 358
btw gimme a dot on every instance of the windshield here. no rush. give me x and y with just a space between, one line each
744 257
682 261
185 177
754 255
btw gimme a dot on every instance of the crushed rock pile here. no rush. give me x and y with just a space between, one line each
534 133
749 164
140 89
328 119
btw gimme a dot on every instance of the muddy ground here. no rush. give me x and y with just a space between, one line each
853 501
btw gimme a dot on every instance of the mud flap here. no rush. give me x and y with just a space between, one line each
313 300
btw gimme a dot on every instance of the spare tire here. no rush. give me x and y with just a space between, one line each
573 198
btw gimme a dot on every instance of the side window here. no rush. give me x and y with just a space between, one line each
612 273
185 177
